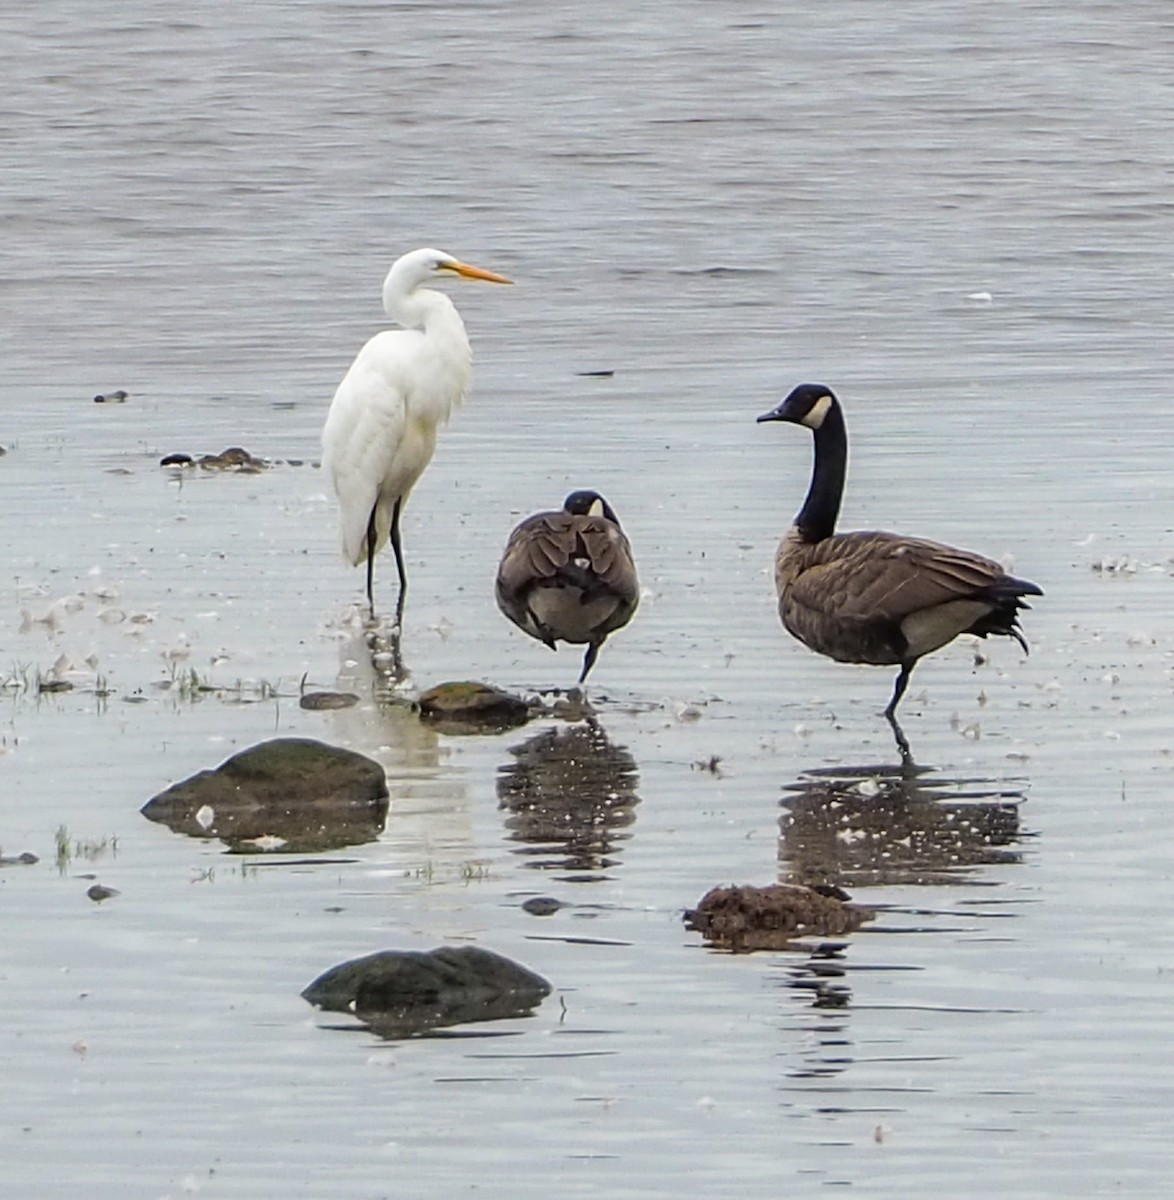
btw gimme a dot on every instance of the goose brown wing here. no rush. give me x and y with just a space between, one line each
535 552
870 576
560 547
609 556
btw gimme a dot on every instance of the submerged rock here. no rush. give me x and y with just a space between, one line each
468 707
404 993
772 917
292 794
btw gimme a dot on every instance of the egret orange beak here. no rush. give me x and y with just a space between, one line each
470 272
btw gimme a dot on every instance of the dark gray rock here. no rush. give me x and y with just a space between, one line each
404 993
302 794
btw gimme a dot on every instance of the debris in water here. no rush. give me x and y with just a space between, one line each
772 917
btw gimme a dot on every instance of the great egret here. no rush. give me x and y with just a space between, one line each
878 597
380 432
569 576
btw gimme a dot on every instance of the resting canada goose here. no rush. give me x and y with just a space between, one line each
568 576
873 597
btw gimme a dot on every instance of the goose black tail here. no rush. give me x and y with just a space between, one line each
1007 596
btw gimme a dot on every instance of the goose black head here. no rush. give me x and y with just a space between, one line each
587 503
808 404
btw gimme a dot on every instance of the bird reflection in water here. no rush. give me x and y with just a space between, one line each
386 658
874 825
570 794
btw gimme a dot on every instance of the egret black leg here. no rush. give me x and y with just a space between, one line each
371 561
397 546
589 659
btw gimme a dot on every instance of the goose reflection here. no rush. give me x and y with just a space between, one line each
870 825
570 795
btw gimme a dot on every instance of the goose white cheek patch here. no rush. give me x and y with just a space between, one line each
819 410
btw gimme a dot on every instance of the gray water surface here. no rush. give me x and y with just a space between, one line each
958 216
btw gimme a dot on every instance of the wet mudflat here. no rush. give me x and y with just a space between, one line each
966 241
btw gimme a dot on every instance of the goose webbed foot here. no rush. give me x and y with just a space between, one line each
891 715
902 742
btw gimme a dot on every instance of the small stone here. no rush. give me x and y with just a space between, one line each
542 906
325 701
19 860
97 892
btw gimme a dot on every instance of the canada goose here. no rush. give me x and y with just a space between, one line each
568 575
380 430
873 597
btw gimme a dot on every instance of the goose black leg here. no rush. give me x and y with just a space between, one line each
899 690
397 546
589 659
891 714
902 741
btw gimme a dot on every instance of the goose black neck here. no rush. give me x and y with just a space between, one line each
817 517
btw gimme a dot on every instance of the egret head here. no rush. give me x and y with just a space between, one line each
422 266
808 404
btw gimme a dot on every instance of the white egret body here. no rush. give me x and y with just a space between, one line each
380 432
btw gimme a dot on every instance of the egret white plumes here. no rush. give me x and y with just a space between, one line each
380 432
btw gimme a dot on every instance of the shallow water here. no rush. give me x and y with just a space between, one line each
957 215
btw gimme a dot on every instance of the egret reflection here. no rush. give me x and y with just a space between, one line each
429 819
872 825
570 795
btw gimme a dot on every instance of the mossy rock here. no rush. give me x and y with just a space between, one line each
298 793
470 707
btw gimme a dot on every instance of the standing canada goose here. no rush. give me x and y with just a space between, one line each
569 576
873 597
